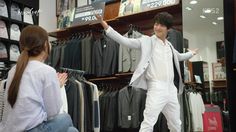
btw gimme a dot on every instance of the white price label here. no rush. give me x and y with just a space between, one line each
89 18
157 3
129 118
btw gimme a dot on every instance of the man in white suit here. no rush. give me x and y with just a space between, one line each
155 72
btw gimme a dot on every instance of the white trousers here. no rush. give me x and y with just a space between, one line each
161 97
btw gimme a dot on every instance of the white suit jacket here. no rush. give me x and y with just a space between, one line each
146 44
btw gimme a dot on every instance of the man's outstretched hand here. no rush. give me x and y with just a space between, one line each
103 23
99 18
194 51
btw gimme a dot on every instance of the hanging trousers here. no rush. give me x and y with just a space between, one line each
161 97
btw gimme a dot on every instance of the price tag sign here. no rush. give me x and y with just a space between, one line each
155 4
86 14
106 1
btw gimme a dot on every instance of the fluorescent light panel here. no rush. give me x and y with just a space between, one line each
193 2
202 16
207 11
220 18
188 8
214 23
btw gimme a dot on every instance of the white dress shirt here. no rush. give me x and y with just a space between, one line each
3 30
14 52
16 12
15 32
161 62
28 18
3 8
3 51
38 98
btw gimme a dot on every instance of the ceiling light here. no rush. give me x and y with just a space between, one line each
188 8
193 2
220 18
207 10
214 23
202 16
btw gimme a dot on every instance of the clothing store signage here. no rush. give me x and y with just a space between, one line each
86 14
106 1
128 7
154 4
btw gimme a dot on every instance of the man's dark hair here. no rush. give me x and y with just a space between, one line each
164 18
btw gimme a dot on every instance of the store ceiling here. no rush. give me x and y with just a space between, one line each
193 22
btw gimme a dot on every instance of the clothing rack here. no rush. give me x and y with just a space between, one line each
4 73
80 35
133 28
71 71
94 31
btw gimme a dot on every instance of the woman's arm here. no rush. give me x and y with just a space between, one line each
51 95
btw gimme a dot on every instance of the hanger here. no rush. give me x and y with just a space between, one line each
5 73
131 28
78 74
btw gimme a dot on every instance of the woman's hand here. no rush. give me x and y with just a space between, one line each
62 78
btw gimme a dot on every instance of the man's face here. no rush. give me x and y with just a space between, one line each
160 30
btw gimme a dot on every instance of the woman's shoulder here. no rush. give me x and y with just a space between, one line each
40 67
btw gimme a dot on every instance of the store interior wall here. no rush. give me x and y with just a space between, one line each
201 33
206 42
47 16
